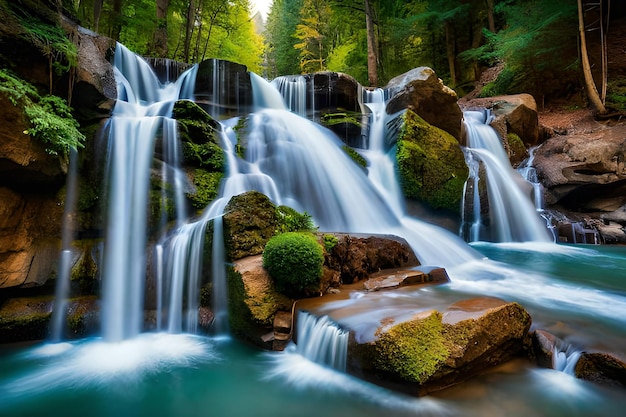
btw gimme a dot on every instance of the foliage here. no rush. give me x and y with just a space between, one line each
330 241
294 260
290 220
50 117
413 350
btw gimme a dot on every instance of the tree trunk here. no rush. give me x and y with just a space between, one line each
97 10
160 33
451 52
191 17
590 85
490 18
372 61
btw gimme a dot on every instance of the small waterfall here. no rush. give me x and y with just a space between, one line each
512 216
565 360
322 341
59 312
297 95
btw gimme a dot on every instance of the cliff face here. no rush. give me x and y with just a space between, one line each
32 179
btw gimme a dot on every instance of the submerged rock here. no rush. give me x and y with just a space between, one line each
434 350
602 369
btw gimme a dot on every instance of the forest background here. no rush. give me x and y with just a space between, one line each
533 45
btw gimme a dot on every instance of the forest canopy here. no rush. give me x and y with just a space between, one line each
534 44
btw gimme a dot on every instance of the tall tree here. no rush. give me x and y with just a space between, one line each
372 56
160 32
590 85
312 31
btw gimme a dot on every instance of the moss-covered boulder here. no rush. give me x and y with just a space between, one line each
250 220
431 164
434 350
602 369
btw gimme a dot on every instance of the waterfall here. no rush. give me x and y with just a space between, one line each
512 215
565 360
59 311
141 117
298 97
322 341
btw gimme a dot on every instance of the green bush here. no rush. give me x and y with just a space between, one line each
294 260
290 220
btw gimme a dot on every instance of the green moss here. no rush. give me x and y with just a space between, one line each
194 124
294 260
206 155
239 316
85 270
207 187
355 156
413 350
517 150
431 164
331 119
240 130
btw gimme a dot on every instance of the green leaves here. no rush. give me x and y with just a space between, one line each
50 117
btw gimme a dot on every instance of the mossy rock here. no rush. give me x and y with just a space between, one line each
194 124
25 318
516 149
250 220
207 186
431 164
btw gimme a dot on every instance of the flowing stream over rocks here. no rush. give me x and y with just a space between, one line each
576 292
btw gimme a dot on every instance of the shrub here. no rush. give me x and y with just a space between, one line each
290 220
294 260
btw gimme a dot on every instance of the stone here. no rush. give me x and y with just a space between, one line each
250 220
602 369
400 278
434 350
231 96
431 164
421 91
356 256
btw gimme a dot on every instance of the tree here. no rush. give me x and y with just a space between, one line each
311 31
590 85
372 56
160 32
281 56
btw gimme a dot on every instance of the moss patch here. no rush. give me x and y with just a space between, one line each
355 156
413 350
431 164
207 187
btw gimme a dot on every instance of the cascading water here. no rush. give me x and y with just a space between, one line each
141 114
512 216
297 96
322 341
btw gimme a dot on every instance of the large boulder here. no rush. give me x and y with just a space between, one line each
434 350
421 91
223 88
602 369
585 174
431 164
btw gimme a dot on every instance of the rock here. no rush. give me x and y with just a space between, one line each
432 351
29 238
400 278
585 173
355 257
231 96
250 221
602 369
431 164
515 114
421 91
95 88
544 344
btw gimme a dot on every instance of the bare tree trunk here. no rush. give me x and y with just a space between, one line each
451 52
490 18
160 33
97 10
592 91
191 17
372 60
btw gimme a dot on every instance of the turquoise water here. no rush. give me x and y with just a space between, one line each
578 293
